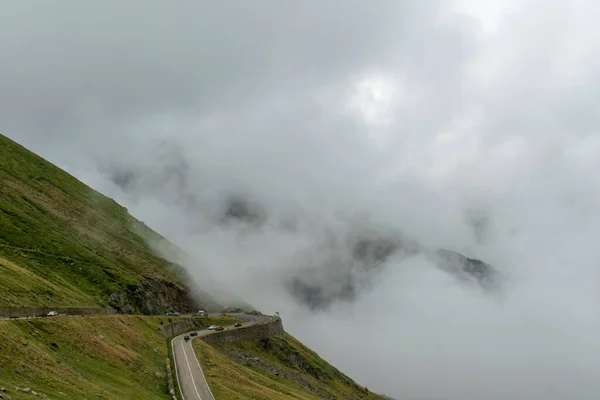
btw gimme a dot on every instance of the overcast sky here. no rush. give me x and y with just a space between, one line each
419 114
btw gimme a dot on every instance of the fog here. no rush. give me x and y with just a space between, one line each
457 125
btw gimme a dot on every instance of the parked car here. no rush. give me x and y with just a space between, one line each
219 328
238 325
212 327
52 314
194 334
176 314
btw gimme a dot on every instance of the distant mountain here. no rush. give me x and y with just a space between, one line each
350 270
349 262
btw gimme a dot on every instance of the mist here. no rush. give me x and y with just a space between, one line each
447 124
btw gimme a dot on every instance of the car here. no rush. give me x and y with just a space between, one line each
194 334
186 338
52 314
176 314
238 325
212 327
219 328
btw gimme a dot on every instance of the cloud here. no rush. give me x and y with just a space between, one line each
468 128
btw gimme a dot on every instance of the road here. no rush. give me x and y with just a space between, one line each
190 377
44 316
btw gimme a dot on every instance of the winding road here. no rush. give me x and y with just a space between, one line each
190 377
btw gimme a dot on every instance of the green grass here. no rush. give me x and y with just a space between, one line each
116 356
173 371
64 244
285 369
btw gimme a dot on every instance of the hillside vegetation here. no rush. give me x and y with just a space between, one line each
105 357
117 357
273 368
64 244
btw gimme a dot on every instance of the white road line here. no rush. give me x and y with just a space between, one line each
253 321
190 369
176 372
202 372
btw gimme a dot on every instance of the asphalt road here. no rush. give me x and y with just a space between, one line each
190 377
44 316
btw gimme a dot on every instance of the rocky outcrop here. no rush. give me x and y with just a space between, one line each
348 269
241 210
153 297
466 269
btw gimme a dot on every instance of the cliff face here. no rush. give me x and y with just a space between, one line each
153 297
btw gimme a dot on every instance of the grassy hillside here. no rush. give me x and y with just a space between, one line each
115 357
77 357
274 368
64 244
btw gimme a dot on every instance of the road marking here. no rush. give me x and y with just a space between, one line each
202 372
190 369
176 371
252 320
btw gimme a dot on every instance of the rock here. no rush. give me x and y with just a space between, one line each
2 389
34 393
159 374
26 390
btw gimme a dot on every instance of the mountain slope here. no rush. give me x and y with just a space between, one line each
116 357
274 368
100 357
64 244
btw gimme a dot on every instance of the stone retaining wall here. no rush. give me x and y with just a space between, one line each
179 327
24 312
253 332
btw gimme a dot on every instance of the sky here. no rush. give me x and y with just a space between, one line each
418 116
